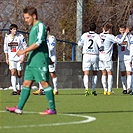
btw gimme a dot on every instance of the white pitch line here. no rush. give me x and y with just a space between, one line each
87 119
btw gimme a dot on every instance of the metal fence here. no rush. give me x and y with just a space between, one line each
65 49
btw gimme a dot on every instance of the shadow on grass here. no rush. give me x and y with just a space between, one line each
101 112
72 94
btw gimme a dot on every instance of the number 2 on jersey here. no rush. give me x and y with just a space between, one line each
90 42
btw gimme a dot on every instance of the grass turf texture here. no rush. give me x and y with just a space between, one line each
114 114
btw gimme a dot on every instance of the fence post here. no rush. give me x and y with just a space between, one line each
64 45
73 52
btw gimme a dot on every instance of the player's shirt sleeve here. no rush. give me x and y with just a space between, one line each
23 41
99 41
6 44
40 34
51 43
81 41
131 48
118 40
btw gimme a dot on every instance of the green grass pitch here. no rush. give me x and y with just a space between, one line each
113 114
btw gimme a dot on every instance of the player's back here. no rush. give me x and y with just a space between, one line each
89 41
103 36
108 41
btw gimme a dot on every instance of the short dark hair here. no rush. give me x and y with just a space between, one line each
107 26
13 26
48 28
92 27
122 26
31 11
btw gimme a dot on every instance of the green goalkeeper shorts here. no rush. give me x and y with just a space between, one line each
36 73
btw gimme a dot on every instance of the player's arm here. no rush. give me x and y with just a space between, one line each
81 41
28 49
131 51
52 43
99 43
6 48
39 39
24 46
120 41
6 44
23 42
7 59
131 54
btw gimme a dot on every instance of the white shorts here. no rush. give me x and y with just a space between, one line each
52 67
15 64
90 62
125 65
106 65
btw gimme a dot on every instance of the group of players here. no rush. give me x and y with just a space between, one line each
38 60
15 41
97 55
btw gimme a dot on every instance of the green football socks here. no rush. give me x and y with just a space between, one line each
23 97
50 97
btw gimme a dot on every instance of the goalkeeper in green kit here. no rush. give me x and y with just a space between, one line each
37 64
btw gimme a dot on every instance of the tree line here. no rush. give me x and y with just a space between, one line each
61 15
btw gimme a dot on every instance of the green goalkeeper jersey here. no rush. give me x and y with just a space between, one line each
38 57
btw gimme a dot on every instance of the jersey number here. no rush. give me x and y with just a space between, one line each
103 40
90 44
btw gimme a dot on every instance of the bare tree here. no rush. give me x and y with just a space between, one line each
61 14
112 11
